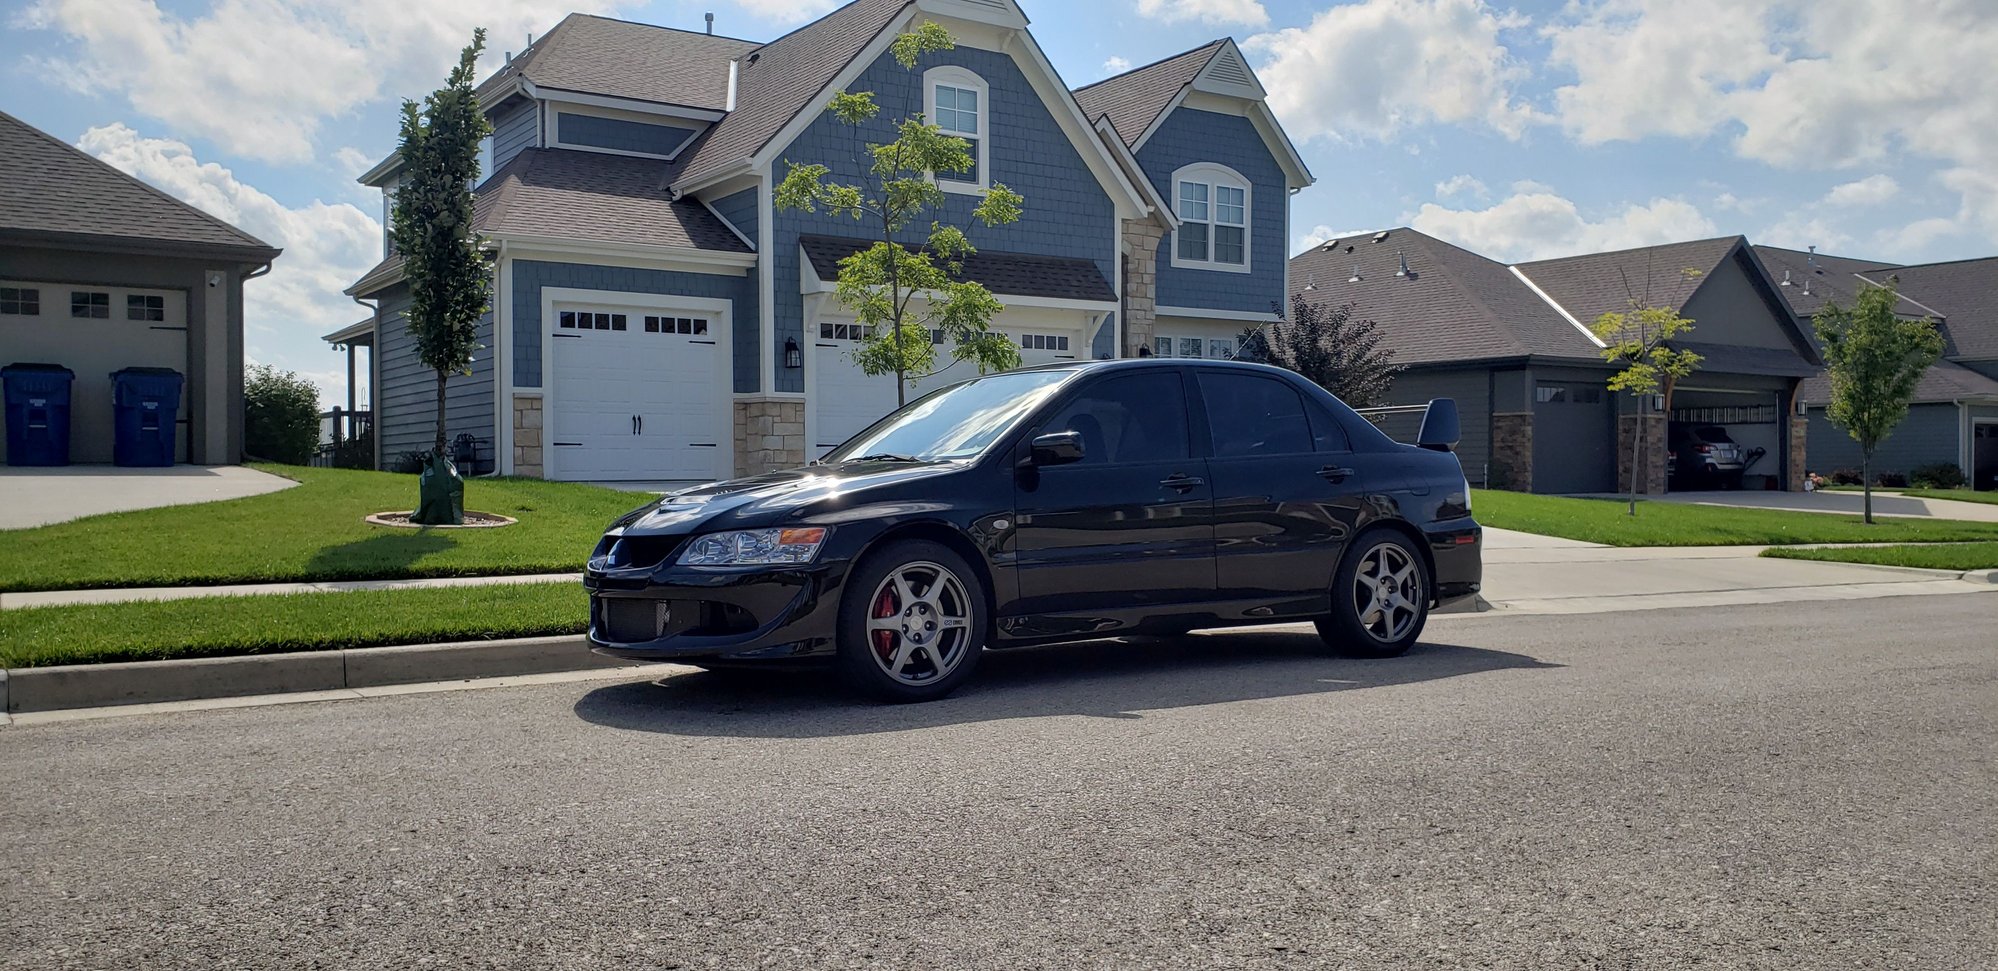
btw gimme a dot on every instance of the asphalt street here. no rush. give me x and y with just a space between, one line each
1805 786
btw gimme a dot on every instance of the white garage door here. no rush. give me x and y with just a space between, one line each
845 400
637 395
93 331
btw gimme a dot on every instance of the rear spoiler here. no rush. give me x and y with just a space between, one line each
1440 428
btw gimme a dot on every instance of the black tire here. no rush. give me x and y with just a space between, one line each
1352 628
864 657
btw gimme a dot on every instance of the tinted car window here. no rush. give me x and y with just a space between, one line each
1248 414
1325 431
1133 418
957 422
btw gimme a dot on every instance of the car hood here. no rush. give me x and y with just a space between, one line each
779 498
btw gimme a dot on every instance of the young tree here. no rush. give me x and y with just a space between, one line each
1635 340
1329 347
883 284
450 282
1874 360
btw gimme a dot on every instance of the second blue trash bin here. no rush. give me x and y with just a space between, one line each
144 403
37 413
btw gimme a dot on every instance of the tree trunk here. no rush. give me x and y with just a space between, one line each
441 376
1636 451
1866 482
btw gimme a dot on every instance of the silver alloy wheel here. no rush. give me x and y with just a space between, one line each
919 623
1387 592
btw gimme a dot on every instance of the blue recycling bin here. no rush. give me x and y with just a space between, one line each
144 403
37 413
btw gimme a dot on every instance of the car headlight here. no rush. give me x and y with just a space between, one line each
755 547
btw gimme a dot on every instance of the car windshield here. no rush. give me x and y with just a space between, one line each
955 423
1715 434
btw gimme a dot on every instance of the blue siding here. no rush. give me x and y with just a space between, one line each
1930 434
530 276
624 136
406 402
741 211
1067 212
514 130
1188 136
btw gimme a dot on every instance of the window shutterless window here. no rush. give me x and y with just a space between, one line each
958 103
140 307
94 304
22 301
1212 202
1248 414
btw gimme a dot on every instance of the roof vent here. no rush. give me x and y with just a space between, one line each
1355 278
1807 286
1812 259
1786 279
1310 283
711 23
1403 271
1383 234
1229 67
1330 245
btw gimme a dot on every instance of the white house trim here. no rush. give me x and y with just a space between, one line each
766 298
561 96
621 114
963 79
1216 177
739 234
810 283
1563 311
1198 313
503 362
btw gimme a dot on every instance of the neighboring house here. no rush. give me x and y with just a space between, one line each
101 272
1512 345
1954 417
657 318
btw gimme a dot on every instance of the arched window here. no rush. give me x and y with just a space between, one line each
1213 206
957 101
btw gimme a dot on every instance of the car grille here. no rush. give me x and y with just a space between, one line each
628 621
642 551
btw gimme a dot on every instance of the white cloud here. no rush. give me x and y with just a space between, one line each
786 11
1116 65
1870 191
1537 225
1370 69
1918 235
1650 67
1460 185
326 246
1249 12
260 77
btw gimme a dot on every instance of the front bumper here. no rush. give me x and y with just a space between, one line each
719 613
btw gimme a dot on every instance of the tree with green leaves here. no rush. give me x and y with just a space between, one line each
1636 342
1329 347
899 294
449 274
1874 360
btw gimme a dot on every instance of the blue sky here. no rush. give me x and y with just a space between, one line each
1866 127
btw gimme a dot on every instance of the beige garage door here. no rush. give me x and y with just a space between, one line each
95 331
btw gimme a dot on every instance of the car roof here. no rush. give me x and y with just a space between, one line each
1141 363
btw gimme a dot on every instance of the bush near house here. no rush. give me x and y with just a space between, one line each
1939 475
280 415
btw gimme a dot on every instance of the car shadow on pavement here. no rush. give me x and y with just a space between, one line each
1107 679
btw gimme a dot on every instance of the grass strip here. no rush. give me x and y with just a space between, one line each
1683 524
1948 556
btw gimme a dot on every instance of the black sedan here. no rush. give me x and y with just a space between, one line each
1055 503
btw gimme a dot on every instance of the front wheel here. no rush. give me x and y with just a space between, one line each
1380 598
911 623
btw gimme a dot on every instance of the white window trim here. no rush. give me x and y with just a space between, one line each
958 77
1205 345
1214 174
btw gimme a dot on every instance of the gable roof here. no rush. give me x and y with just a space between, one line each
623 59
777 80
1452 306
1963 292
1133 100
1827 278
1015 274
1945 381
1594 284
56 194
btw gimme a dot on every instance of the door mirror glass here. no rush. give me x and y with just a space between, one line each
1056 448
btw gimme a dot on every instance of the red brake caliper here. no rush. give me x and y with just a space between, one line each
884 640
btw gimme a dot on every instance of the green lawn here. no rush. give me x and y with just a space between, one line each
314 531
218 626
1678 524
1951 556
1958 495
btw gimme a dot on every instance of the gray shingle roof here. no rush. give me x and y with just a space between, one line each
1945 382
778 79
1015 274
1965 292
1831 278
1134 99
593 197
1594 284
54 192
1454 305
622 59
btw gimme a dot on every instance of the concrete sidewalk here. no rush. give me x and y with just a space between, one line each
51 598
1841 503
32 497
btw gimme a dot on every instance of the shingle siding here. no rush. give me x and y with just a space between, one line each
1471 389
515 129
618 134
406 401
1067 213
1729 309
742 212
1188 136
1930 434
531 276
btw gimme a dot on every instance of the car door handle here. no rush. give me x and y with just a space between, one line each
1182 482
1333 473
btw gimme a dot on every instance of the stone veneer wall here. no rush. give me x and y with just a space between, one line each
527 435
769 434
1653 480
1512 451
1141 282
1794 479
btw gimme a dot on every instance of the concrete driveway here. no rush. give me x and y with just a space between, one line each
1842 503
37 497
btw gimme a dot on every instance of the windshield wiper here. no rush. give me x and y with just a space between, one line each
885 457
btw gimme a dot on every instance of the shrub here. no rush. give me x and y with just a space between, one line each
1846 477
1891 480
1939 475
280 415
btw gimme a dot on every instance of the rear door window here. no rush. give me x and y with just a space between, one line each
1248 414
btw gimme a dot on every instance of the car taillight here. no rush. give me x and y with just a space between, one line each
1704 449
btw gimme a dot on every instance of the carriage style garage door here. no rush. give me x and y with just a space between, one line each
844 401
637 394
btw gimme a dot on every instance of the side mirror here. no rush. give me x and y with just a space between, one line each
1055 448
1439 426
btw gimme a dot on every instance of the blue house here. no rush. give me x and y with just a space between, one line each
656 318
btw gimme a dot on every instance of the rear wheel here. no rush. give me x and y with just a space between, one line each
1380 597
911 623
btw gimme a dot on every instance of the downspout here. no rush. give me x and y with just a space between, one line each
374 368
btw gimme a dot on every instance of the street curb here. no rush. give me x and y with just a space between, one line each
1987 577
143 682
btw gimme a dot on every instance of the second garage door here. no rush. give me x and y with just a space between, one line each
637 395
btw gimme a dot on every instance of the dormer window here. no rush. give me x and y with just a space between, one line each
956 102
1212 202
